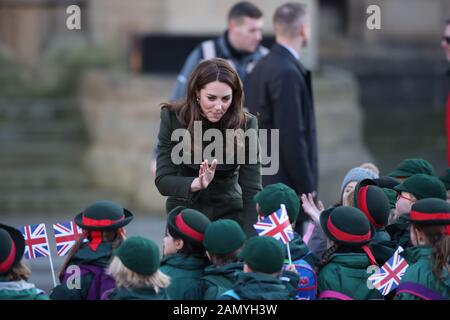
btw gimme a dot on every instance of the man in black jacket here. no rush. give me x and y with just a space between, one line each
279 93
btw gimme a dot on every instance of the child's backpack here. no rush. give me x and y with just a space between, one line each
307 283
220 285
100 284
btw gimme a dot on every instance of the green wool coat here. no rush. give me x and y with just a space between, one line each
20 290
259 286
101 257
184 272
137 294
347 273
420 270
399 232
208 289
381 235
231 192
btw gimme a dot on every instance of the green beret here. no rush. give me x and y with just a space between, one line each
410 167
139 254
263 254
430 211
347 225
187 224
272 196
373 202
423 186
223 237
12 247
103 215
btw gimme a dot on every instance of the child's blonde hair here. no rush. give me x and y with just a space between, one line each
129 279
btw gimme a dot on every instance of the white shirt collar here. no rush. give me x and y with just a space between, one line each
292 51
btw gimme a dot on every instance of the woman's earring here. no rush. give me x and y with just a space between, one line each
198 100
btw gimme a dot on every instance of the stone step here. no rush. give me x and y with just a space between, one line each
25 109
45 153
40 177
35 131
61 201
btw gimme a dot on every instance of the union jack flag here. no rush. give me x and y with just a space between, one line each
276 225
66 234
36 241
388 277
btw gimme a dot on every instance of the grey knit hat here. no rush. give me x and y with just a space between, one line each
357 174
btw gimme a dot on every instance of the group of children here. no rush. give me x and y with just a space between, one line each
204 260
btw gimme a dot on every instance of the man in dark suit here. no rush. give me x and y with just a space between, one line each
279 93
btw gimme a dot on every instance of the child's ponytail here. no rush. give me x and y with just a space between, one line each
71 253
441 254
440 241
326 256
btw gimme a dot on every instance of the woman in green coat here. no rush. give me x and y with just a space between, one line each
427 276
13 273
218 178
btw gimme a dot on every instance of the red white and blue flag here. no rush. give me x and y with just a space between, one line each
276 225
66 234
388 277
36 241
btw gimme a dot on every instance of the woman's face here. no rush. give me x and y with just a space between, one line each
215 99
350 187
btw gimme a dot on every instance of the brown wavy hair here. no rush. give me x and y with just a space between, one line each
188 111
19 272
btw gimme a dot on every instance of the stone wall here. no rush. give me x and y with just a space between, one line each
121 113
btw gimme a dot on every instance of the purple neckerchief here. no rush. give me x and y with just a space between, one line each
419 290
334 295
101 281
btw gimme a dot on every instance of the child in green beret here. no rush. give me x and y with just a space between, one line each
223 241
135 268
409 167
427 276
374 203
417 187
269 200
316 239
13 272
263 260
184 258
343 272
103 231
